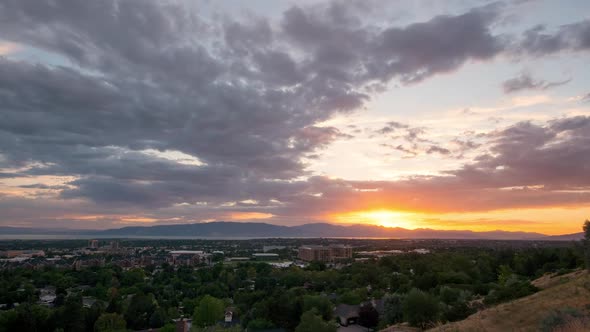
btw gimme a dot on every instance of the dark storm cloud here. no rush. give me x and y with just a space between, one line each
526 82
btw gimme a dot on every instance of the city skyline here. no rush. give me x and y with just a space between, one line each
416 114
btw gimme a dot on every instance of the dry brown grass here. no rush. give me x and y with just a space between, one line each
552 279
401 328
574 325
526 314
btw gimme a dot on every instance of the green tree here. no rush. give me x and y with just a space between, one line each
399 282
505 274
8 320
133 277
393 309
285 308
259 324
353 297
109 322
420 308
209 311
71 315
92 314
321 303
139 311
311 322
158 318
31 317
168 328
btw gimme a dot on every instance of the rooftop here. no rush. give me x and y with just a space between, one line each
186 252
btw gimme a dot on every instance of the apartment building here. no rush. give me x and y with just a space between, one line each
324 253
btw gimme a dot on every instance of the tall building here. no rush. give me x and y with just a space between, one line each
340 251
115 245
93 244
324 253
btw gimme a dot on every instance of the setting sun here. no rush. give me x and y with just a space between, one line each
386 218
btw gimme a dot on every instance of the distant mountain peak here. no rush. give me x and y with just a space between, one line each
232 229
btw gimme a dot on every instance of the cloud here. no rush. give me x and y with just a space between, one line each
437 149
345 50
7 175
42 186
245 98
526 82
8 48
246 106
526 166
391 127
440 45
415 141
570 37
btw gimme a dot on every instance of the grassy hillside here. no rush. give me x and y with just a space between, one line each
562 305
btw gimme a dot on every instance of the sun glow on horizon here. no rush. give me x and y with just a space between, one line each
385 218
550 221
249 215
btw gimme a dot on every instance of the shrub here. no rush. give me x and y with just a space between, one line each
421 309
560 318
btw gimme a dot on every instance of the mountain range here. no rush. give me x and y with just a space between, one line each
222 229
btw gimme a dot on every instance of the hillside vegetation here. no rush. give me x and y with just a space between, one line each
562 305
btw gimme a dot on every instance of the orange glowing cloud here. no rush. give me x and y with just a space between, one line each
249 215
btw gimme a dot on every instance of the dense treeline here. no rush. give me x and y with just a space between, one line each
419 289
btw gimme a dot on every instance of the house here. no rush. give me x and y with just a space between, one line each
89 301
189 257
271 248
22 253
229 317
47 296
347 314
379 305
183 324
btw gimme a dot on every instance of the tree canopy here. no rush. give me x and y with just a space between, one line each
312 322
208 312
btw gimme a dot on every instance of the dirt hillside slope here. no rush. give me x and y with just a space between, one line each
566 292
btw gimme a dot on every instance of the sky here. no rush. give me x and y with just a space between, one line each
417 114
